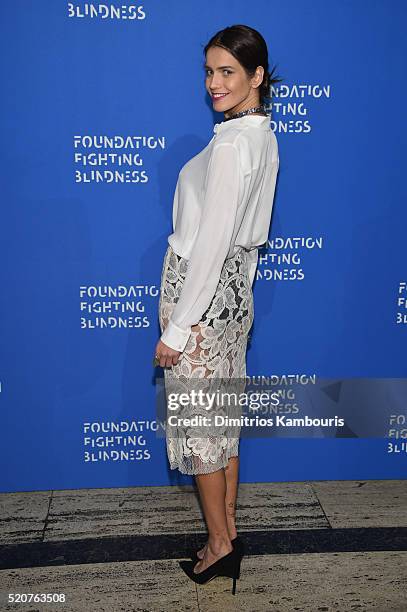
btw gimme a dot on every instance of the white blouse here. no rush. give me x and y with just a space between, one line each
223 200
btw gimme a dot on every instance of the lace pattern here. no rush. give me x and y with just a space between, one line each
214 354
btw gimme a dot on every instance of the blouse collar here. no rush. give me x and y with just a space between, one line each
258 120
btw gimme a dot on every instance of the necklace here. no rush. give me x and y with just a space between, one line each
254 109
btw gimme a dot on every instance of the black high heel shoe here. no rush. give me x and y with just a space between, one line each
229 566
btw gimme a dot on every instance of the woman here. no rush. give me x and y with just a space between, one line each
221 216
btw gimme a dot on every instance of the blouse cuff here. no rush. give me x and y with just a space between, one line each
253 257
175 337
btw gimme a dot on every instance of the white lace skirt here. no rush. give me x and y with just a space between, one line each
214 354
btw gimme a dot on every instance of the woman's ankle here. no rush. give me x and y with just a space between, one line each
232 531
219 546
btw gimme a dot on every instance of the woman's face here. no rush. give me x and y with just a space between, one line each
225 75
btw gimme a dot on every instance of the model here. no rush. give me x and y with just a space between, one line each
221 216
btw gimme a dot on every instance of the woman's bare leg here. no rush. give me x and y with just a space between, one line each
231 477
212 492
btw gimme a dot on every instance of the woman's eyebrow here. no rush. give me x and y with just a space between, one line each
220 67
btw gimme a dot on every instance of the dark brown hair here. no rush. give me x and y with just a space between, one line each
250 49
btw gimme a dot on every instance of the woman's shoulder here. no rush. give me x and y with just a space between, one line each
250 143
243 135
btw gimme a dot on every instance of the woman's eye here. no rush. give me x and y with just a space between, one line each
226 70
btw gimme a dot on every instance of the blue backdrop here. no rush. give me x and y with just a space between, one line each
102 104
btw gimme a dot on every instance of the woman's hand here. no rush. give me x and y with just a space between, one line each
167 356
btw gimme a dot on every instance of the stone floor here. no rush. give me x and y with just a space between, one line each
311 547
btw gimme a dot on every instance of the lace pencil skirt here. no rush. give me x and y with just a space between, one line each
214 358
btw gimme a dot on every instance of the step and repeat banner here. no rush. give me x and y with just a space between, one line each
102 105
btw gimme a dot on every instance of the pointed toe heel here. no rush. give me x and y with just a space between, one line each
229 566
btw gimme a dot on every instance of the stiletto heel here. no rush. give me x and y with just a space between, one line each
235 573
229 566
